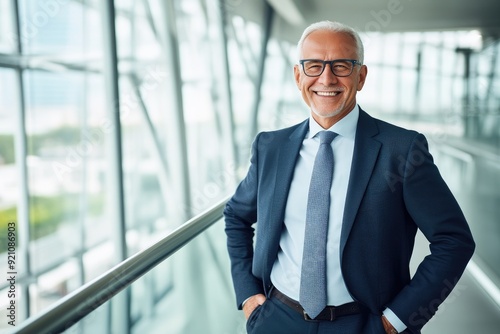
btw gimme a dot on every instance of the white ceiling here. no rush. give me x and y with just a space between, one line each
377 15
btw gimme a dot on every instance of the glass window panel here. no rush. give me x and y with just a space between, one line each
124 32
144 197
430 58
449 62
406 93
432 38
92 179
448 96
243 51
8 123
275 105
92 33
413 38
66 162
10 193
494 100
392 49
252 33
389 83
9 171
53 285
146 43
52 27
369 97
143 80
409 57
205 103
135 35
374 53
450 39
429 96
483 66
8 35
98 259
128 7
144 192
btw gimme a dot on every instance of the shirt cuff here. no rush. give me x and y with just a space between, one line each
394 320
243 304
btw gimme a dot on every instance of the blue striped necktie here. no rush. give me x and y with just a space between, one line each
313 276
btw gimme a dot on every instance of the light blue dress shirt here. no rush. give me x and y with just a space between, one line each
285 274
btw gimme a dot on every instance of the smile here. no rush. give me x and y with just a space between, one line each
327 93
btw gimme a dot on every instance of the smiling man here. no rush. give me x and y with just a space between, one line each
337 201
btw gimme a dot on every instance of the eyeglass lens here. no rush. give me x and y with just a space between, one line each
340 68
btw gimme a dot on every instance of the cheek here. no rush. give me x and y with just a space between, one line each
305 96
353 87
304 90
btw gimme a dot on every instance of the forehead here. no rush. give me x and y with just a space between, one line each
325 44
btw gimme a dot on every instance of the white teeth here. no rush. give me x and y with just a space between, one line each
327 93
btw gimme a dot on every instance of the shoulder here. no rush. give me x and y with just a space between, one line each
384 131
278 137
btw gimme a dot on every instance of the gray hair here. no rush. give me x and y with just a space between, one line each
334 27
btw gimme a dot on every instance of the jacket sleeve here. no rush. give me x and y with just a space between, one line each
433 208
240 214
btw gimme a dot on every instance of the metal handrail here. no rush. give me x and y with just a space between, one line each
76 305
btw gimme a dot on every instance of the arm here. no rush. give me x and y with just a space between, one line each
240 214
433 208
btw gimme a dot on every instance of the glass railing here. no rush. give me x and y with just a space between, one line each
191 292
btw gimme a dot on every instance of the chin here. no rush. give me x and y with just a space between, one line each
328 113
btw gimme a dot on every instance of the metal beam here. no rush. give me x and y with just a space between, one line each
269 14
116 207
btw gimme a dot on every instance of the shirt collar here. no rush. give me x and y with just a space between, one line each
346 127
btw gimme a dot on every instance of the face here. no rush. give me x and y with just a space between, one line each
330 98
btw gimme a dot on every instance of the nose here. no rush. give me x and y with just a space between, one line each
327 77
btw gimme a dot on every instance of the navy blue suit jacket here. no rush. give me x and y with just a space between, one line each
394 188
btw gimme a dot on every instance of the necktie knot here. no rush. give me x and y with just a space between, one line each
326 137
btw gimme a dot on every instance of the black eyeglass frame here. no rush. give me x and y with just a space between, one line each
354 62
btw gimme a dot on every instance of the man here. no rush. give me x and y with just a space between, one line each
384 187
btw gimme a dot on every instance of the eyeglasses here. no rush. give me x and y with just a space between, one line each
339 67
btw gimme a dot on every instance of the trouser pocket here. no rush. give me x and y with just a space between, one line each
253 319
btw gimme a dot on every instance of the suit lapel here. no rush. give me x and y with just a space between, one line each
285 166
366 150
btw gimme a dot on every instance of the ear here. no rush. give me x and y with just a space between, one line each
296 74
363 71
